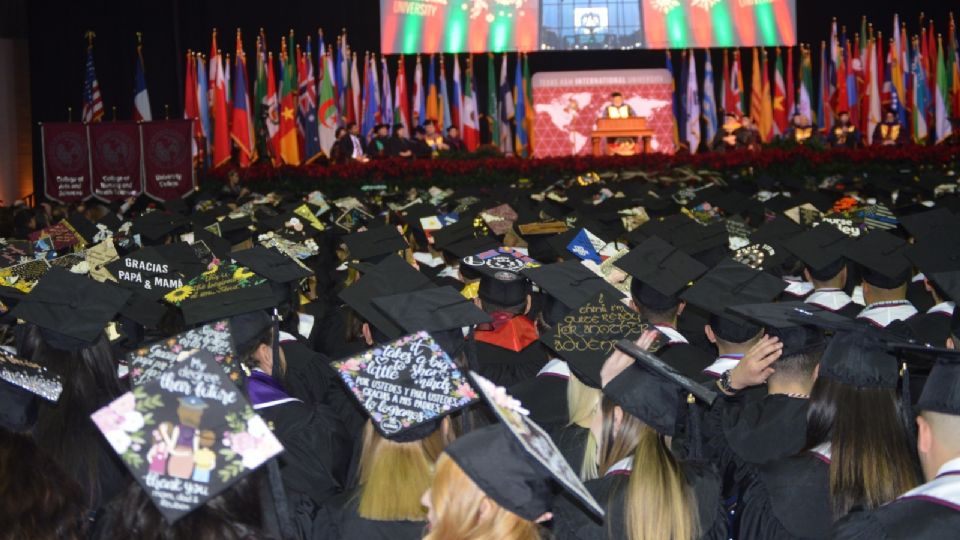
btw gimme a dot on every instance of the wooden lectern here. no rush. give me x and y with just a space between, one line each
635 127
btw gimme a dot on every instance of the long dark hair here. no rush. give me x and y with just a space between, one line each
871 457
64 429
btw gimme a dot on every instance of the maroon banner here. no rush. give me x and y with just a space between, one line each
115 160
167 159
66 164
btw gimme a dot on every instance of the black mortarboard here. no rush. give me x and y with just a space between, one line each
154 226
732 284
586 336
374 243
652 391
237 230
515 463
819 249
272 264
662 267
146 272
406 386
433 310
936 256
883 259
570 282
780 320
390 276
83 226
860 358
501 282
223 291
926 224
949 284
147 312
70 309
470 245
210 434
30 376
941 392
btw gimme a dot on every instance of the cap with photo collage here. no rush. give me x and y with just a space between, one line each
374 244
882 256
390 276
499 270
660 272
822 250
71 310
194 444
515 462
568 285
406 386
437 310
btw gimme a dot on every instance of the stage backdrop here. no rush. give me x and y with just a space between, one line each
567 104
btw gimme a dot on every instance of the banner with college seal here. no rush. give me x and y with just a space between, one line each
66 164
114 160
168 171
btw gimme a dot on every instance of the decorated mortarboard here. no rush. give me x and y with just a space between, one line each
586 336
586 246
652 391
150 361
731 284
222 291
30 376
501 282
374 243
61 236
819 247
470 245
187 435
662 266
74 262
570 282
271 264
300 250
87 230
782 320
99 257
390 276
14 251
433 310
515 462
500 218
883 259
146 272
70 309
406 386
24 276
493 262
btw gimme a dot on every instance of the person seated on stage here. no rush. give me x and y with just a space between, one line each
727 136
622 146
350 145
454 141
418 144
800 130
336 155
844 134
399 145
378 145
433 138
748 136
889 132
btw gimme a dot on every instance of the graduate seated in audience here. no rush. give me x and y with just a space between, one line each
822 251
885 274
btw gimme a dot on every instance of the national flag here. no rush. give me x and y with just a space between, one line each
312 149
873 92
92 102
528 101
723 80
734 90
469 116
674 101
419 96
370 98
521 141
507 109
354 89
327 112
203 106
340 76
920 96
493 108
443 109
790 102
190 111
456 98
287 135
221 122
823 91
953 70
756 89
766 102
842 102
692 106
585 246
851 82
259 95
805 90
241 128
709 106
226 84
401 106
781 119
433 99
377 102
271 117
141 99
941 112
386 100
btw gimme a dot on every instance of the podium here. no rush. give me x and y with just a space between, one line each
634 127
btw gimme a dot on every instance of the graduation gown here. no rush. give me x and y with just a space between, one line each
339 520
835 300
918 295
570 522
933 327
572 442
885 314
545 396
928 512
509 354
788 499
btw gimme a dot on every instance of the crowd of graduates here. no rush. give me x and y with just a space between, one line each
595 358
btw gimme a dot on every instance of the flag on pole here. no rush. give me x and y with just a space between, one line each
386 100
141 99
692 107
401 106
723 80
221 128
327 106
271 117
529 115
674 102
456 99
920 98
443 110
241 129
790 100
92 102
287 135
507 109
953 70
823 90
709 106
493 108
190 111
471 125
780 117
521 140
734 88
805 91
377 102
370 101
312 149
842 102
681 96
873 92
756 89
340 75
354 89
433 98
203 105
766 102
941 112
419 96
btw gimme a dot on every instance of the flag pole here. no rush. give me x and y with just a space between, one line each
69 114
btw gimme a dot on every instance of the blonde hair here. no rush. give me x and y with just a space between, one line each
583 403
659 503
393 475
458 506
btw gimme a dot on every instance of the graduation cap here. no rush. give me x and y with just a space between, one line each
652 391
236 229
144 311
434 310
225 290
883 259
940 389
860 358
30 376
781 320
501 282
150 361
499 218
374 243
87 230
271 264
390 276
570 282
196 440
586 336
154 226
147 272
936 255
821 250
731 284
660 271
406 386
515 462
949 284
70 310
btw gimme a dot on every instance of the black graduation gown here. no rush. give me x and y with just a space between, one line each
931 328
18 409
545 396
308 375
787 499
913 519
572 442
339 520
571 522
506 367
919 296
686 359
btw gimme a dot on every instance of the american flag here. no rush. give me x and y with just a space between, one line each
92 103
